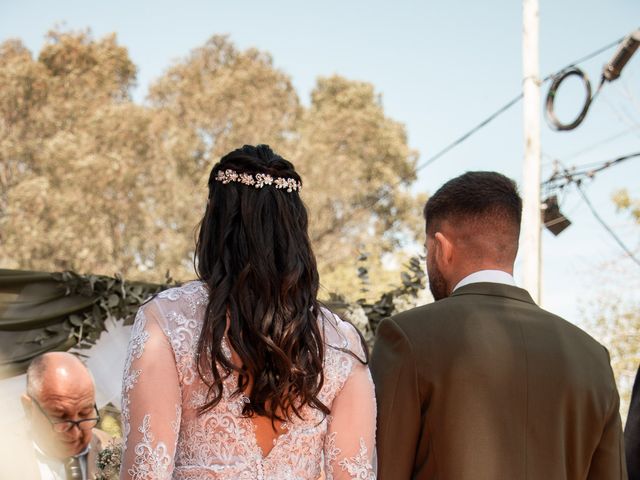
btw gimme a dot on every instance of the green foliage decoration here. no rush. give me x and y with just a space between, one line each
114 297
394 300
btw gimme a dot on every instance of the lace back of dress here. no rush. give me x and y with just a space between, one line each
166 437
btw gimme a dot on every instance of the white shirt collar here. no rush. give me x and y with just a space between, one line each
491 276
53 468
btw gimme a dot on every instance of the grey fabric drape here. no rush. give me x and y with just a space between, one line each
34 308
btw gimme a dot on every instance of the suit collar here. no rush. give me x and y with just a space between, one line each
496 290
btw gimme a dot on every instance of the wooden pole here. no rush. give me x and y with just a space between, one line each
531 214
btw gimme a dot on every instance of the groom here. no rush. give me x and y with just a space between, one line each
483 384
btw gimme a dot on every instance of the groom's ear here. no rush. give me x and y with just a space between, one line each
444 251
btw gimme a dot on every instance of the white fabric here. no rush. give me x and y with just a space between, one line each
491 276
50 468
166 437
53 468
12 413
105 360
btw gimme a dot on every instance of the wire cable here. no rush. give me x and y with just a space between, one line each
461 139
510 104
599 143
605 226
458 141
569 176
560 179
627 47
595 53
550 116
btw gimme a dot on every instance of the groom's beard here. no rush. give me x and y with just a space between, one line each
437 283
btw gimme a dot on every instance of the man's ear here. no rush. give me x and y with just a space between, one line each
444 251
27 404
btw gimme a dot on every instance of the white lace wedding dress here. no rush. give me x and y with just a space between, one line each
165 437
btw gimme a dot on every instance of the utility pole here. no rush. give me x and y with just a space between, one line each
531 212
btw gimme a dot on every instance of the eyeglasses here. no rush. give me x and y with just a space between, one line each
63 426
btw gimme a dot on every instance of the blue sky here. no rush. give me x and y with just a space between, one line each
441 67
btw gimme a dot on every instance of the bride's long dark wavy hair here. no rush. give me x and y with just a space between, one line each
254 254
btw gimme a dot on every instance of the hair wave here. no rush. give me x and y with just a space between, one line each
254 253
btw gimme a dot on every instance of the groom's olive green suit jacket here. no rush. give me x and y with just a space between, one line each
485 385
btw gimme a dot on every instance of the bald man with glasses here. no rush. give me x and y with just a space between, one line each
62 415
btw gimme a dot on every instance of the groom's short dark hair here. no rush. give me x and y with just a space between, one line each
475 196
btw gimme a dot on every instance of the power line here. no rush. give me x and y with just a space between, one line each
605 226
610 72
508 105
577 177
604 141
594 146
560 179
461 139
622 116
593 54
610 163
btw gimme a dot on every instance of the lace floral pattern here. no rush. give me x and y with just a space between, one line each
221 443
139 337
331 452
150 461
359 466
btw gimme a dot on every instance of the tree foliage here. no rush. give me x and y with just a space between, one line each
80 182
616 324
362 203
93 182
614 318
367 314
625 203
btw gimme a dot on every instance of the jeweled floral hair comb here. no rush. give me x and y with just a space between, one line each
258 180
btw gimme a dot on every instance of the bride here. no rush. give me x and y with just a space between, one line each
242 374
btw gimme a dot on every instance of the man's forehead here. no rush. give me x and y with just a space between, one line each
64 400
64 388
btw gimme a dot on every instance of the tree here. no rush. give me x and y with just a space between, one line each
614 318
221 98
355 161
625 203
358 166
93 182
81 184
616 324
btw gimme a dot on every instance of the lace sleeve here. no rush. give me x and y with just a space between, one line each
150 401
349 449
